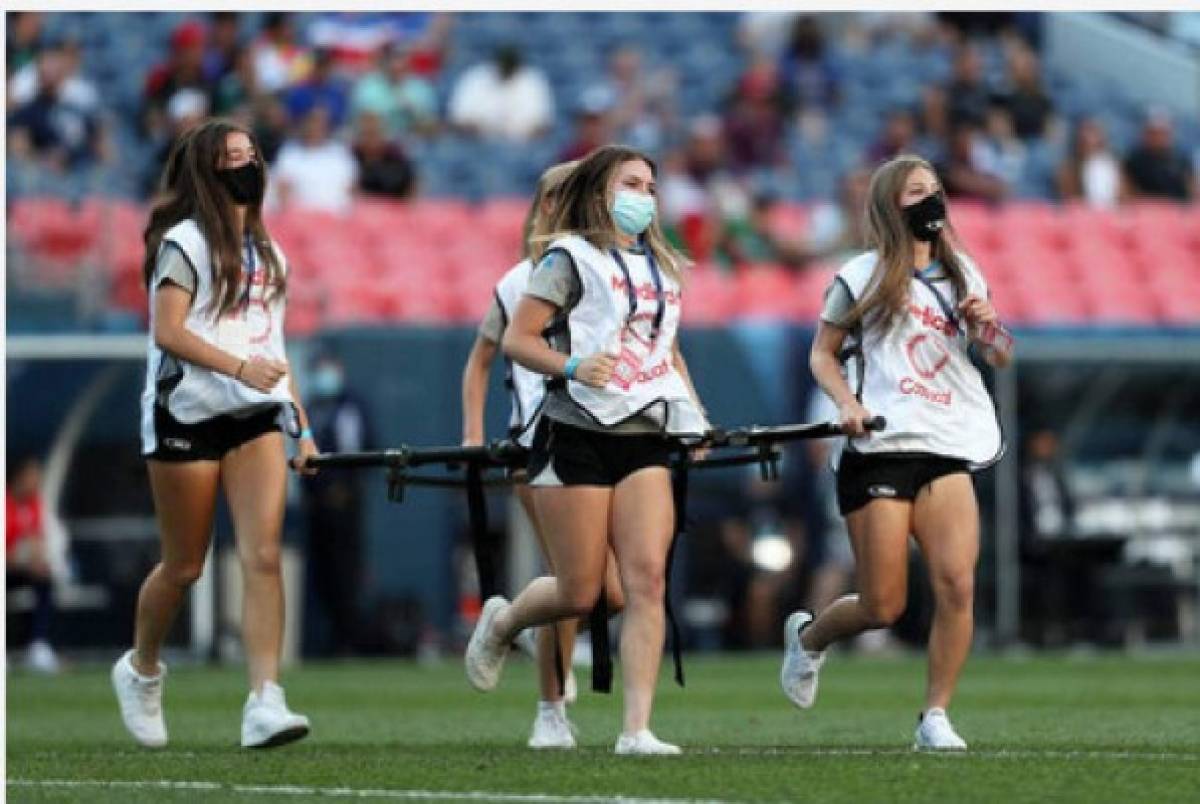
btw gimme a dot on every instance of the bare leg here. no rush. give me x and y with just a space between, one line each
946 521
255 480
879 534
574 521
185 496
643 524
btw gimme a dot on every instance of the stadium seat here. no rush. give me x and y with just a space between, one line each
764 291
708 296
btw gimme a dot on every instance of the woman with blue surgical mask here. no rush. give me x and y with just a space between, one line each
599 319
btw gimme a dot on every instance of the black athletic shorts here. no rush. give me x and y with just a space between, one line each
563 455
210 439
862 477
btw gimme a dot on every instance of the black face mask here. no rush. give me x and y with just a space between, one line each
245 183
926 217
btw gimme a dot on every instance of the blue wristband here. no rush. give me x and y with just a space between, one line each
571 367
306 433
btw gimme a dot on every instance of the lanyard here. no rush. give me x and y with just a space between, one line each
947 310
655 275
252 266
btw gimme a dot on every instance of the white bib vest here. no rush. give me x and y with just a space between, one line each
252 328
527 389
647 380
918 374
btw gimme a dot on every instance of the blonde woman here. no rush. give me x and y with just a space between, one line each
218 391
551 726
607 294
903 318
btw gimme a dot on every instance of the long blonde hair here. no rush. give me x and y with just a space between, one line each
888 234
583 208
537 224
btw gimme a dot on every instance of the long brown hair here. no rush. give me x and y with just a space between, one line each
536 224
190 188
583 208
888 234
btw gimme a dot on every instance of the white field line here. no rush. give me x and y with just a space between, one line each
996 753
349 792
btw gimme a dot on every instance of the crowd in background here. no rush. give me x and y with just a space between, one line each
339 104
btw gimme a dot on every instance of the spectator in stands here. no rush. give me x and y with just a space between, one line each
811 79
998 152
76 89
754 124
224 44
899 136
697 190
835 230
271 126
1155 168
964 174
333 503
752 239
316 171
967 94
640 100
24 40
322 87
186 108
1092 173
237 91
406 101
1024 96
26 560
503 99
183 69
593 126
383 168
278 59
53 126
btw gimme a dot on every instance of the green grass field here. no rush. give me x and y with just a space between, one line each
1044 729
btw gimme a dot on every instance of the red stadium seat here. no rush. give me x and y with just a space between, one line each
764 291
707 296
1030 220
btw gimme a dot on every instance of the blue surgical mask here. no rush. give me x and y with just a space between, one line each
632 211
327 381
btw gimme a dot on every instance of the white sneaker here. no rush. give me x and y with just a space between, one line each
798 676
267 721
551 729
485 654
934 733
140 699
645 744
41 658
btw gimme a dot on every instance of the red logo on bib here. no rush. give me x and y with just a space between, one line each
926 355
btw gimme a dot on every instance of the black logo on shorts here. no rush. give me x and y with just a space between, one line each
181 444
881 490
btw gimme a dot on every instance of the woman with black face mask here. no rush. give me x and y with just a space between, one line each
894 340
217 394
